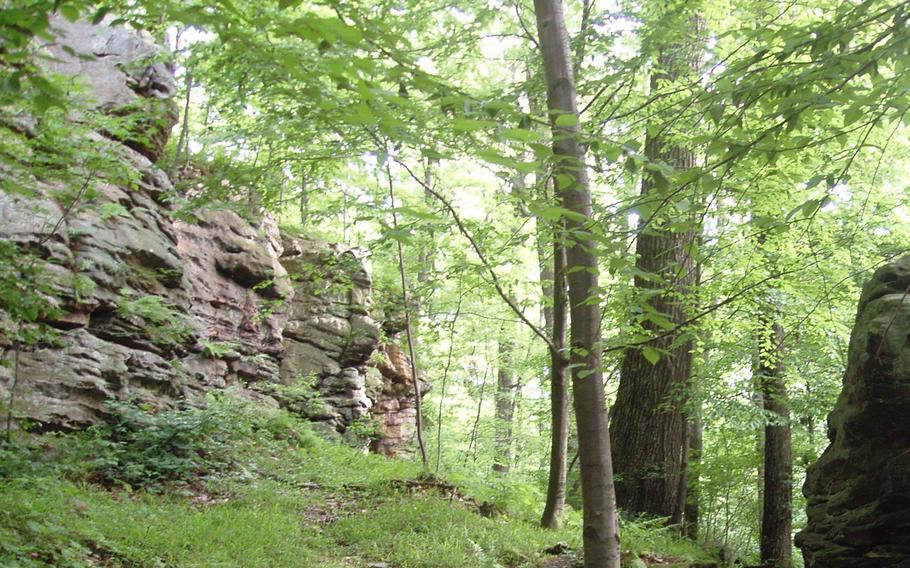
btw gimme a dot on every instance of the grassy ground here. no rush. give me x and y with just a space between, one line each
291 502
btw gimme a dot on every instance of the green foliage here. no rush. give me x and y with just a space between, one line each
140 448
301 396
365 428
164 324
285 500
219 349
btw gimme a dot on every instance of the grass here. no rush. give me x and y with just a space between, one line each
290 502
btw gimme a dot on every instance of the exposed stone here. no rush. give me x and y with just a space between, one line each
125 73
858 493
394 407
245 306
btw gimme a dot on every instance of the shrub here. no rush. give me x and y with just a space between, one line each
140 448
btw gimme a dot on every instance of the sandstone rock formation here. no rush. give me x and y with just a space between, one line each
859 491
126 74
162 309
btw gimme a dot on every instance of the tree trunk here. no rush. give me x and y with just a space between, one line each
601 527
505 402
475 430
777 510
559 395
649 426
405 300
553 286
425 259
696 445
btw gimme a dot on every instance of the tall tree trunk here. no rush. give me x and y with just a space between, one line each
777 510
445 378
696 445
553 286
649 427
475 429
304 202
405 300
559 395
601 526
426 256
184 140
505 402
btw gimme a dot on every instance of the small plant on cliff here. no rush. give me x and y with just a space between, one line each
165 325
302 396
365 428
219 349
143 448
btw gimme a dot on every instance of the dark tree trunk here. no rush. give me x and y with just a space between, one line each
559 396
649 426
777 510
553 286
475 429
696 444
505 402
601 527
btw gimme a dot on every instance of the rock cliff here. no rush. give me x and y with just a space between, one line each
859 491
162 309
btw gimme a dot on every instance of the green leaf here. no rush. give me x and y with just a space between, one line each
521 135
69 12
566 120
100 14
470 125
651 354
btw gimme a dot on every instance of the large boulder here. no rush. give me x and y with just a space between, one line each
858 492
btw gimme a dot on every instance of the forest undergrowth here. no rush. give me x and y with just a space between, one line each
235 484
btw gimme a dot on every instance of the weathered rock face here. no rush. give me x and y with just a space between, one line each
126 75
859 491
161 309
395 400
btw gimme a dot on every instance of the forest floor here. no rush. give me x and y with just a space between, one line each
296 502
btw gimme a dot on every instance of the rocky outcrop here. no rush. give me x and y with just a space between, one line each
858 492
160 308
127 76
395 409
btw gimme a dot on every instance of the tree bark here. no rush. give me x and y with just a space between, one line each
559 395
696 445
777 511
405 300
505 402
601 527
649 425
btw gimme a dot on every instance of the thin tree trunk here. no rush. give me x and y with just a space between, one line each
418 403
184 140
777 510
649 425
505 396
696 445
475 429
445 377
553 286
601 526
559 397
304 202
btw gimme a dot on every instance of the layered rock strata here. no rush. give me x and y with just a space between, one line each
161 309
